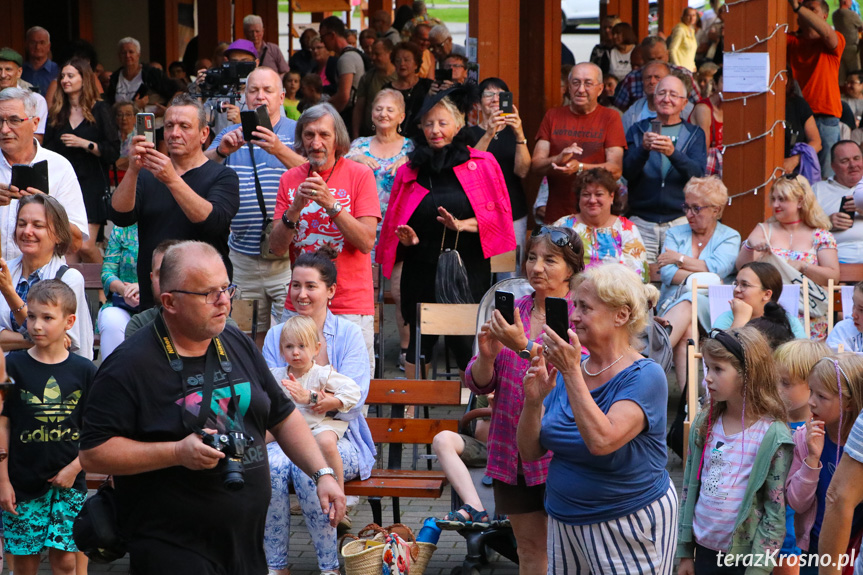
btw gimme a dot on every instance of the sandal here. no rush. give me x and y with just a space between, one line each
500 521
455 520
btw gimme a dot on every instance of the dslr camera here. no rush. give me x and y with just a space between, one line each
226 80
233 445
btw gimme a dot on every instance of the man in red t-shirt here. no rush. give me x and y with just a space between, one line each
814 54
332 201
575 138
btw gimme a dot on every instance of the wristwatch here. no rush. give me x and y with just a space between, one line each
335 210
680 261
91 146
290 224
525 353
580 167
323 471
313 397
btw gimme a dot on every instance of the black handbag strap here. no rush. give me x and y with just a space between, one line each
258 190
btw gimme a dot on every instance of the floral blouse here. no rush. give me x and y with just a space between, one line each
383 178
620 243
121 258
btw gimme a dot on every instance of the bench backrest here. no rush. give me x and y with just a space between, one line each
401 392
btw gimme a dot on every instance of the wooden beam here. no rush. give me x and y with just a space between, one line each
12 24
85 20
634 12
669 14
268 10
497 53
164 31
378 5
242 8
214 25
751 164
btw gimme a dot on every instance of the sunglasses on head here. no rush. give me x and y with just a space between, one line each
557 237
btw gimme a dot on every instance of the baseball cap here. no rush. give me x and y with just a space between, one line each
243 45
10 55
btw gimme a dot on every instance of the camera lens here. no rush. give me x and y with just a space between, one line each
233 474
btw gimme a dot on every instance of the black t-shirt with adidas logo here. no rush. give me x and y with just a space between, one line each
44 408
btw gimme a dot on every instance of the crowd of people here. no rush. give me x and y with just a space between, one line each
379 147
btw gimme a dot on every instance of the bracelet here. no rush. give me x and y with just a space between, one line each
23 305
522 142
799 6
220 154
747 247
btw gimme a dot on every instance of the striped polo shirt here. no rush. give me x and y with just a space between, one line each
247 225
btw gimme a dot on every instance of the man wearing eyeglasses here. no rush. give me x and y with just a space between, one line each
644 108
156 395
661 156
575 138
183 196
10 77
18 124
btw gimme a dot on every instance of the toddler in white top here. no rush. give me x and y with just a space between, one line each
318 390
849 332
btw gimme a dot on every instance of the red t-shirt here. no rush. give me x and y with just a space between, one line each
594 132
353 185
817 70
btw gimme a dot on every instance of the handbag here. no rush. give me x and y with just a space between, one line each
95 529
267 228
377 550
451 282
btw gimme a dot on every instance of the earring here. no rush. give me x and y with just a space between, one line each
399 129
374 127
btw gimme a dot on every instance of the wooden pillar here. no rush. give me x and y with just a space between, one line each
378 5
669 14
164 31
85 20
242 8
12 24
496 32
214 25
634 12
268 10
752 164
539 81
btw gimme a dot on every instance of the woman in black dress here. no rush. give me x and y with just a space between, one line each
82 129
407 57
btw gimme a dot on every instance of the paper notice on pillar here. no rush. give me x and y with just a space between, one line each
746 72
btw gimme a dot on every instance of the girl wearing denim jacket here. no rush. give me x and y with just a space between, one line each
732 517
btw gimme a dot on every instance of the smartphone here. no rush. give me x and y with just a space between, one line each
849 213
35 176
504 302
557 316
441 76
145 125
264 117
505 102
249 120
656 126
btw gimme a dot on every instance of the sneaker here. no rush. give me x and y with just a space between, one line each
331 572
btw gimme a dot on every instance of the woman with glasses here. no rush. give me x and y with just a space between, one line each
502 135
448 197
124 116
607 236
81 128
700 245
756 295
407 57
602 418
555 256
796 240
42 234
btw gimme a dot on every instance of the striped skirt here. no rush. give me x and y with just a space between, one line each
637 544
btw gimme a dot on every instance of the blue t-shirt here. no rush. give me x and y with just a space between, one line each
725 320
828 468
583 488
789 545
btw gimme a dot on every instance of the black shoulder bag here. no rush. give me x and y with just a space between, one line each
267 227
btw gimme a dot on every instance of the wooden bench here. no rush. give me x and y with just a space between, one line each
92 273
395 430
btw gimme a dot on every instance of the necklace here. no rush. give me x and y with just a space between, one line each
790 233
584 364
536 311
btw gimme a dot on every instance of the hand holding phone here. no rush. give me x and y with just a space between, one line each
145 125
504 302
557 316
35 176
846 209
505 102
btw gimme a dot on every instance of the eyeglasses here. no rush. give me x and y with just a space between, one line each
694 209
587 85
665 94
125 115
211 297
745 285
557 237
14 121
451 66
487 95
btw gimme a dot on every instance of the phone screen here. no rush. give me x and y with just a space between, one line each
656 126
249 120
557 316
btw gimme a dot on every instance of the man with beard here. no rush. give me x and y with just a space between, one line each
184 196
330 202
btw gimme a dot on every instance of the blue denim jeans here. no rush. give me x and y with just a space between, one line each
828 129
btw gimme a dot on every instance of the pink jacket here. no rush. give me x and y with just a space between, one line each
484 185
800 489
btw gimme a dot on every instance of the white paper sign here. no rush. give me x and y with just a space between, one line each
746 72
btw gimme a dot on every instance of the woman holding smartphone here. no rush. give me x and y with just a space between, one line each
81 128
554 257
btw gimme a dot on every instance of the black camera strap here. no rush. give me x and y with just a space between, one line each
258 190
216 349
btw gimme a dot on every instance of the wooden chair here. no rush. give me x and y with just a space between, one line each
378 282
841 294
443 319
790 299
92 273
505 262
245 313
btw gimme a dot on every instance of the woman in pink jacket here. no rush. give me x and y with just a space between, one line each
448 196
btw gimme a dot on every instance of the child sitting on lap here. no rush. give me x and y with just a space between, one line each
318 390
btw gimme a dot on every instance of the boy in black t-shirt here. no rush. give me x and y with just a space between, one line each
42 485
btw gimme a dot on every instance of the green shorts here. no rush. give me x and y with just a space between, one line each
475 453
43 522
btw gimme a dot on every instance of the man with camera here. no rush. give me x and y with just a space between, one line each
259 164
221 88
183 195
163 403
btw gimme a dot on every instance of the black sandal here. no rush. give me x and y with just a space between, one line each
455 521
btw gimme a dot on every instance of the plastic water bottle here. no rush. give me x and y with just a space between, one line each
430 533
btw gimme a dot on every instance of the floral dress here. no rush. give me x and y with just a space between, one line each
620 244
821 239
121 258
383 178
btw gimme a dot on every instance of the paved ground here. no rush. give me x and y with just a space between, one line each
451 548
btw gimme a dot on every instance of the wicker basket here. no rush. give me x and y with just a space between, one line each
418 567
360 560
